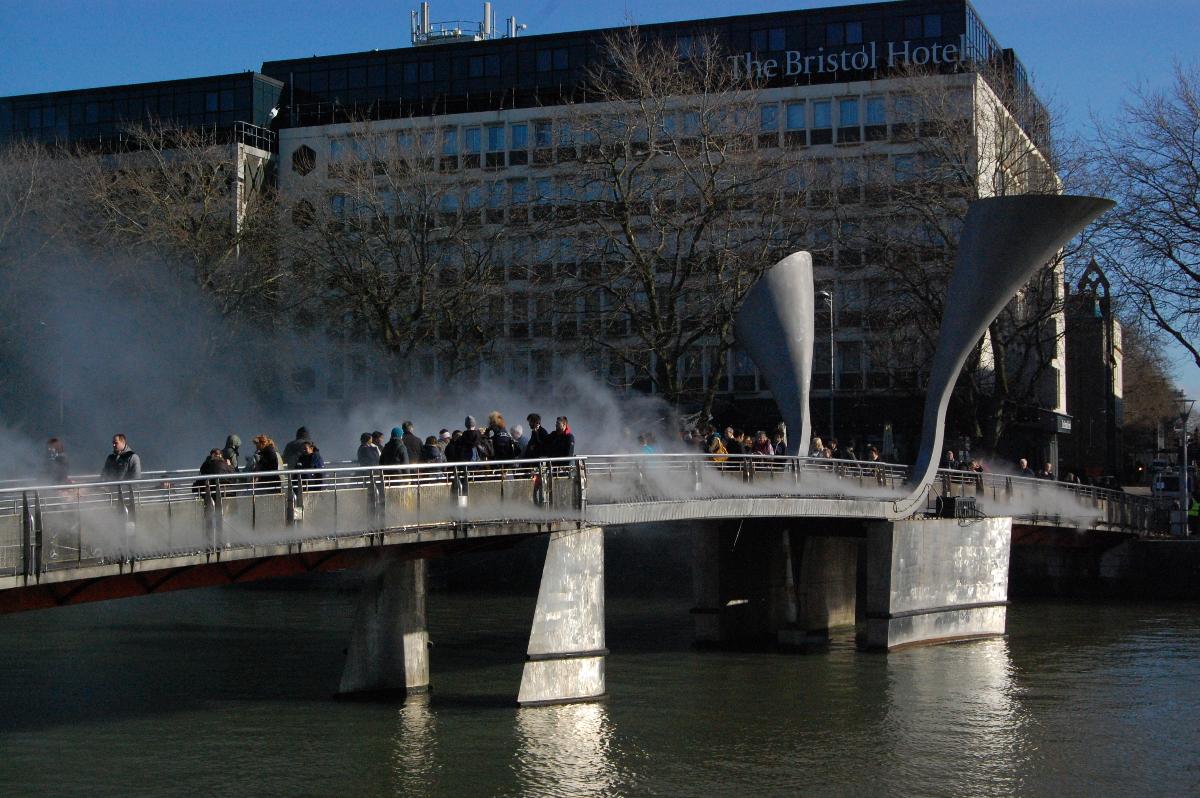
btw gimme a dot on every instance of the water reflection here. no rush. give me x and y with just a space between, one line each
415 747
566 750
961 700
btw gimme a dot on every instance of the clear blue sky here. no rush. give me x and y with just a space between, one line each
1084 54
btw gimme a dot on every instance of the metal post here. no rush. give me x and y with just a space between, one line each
828 296
1185 497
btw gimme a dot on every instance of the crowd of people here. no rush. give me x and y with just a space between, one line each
496 441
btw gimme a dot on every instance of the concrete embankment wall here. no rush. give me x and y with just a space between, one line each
1075 566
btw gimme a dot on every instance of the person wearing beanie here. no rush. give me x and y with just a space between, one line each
395 452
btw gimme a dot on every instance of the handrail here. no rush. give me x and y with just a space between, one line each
56 526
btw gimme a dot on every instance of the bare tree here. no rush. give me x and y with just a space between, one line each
397 247
184 197
971 135
1149 161
674 211
1147 387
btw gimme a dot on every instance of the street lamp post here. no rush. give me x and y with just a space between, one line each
1184 406
828 297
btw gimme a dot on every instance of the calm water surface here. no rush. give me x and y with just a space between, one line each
227 692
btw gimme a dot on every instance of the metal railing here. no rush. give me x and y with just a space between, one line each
178 513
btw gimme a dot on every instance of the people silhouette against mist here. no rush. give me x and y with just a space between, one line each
292 452
123 464
561 442
368 452
55 468
232 450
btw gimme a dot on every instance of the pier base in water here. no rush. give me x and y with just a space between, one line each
389 645
566 655
936 580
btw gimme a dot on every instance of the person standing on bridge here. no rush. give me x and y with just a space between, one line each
368 452
232 451
396 451
123 464
537 437
561 442
310 459
292 452
55 469
267 460
411 442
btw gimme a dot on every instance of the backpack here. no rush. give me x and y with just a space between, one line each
719 449
504 447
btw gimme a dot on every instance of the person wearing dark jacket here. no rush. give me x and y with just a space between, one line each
310 458
467 447
395 452
561 442
537 437
123 464
267 459
431 452
232 450
214 464
292 452
411 442
368 452
56 468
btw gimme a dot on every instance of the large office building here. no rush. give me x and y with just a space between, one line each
829 87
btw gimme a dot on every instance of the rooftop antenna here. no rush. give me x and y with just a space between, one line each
425 32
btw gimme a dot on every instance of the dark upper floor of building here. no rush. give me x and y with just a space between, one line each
527 71
101 115
856 42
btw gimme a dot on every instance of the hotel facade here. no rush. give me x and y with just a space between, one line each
832 98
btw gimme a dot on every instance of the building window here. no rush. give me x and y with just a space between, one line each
471 146
822 122
495 138
876 119
768 40
542 134
795 116
450 141
924 26
520 136
848 129
839 33
547 60
768 118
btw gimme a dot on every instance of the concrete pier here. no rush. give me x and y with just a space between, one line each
566 655
826 582
936 580
389 645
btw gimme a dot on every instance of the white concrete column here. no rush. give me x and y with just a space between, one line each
565 661
389 645
936 580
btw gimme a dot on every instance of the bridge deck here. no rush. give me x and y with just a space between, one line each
59 538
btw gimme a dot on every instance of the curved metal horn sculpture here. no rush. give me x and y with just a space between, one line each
775 327
1004 241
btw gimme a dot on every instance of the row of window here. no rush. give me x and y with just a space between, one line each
322 80
830 34
843 120
167 105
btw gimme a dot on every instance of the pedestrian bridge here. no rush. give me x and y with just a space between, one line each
813 526
67 534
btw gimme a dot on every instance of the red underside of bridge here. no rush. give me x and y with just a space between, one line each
61 594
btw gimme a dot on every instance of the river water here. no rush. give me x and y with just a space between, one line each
227 692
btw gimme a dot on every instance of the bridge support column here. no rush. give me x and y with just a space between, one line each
936 580
389 645
825 573
565 661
